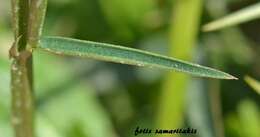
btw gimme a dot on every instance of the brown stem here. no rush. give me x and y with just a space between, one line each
22 95
21 72
36 19
28 16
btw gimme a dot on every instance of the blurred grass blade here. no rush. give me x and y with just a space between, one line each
183 30
241 16
118 54
253 83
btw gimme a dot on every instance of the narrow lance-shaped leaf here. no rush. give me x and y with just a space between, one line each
253 83
241 16
124 55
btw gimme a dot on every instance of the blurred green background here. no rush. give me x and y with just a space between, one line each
87 98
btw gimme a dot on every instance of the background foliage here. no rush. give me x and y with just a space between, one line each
87 98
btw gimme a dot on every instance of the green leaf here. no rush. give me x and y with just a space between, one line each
253 83
238 17
124 55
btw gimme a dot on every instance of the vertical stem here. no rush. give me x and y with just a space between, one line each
20 17
183 33
22 95
36 19
21 72
28 16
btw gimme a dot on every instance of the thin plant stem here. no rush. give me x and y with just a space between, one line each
36 20
21 73
22 95
27 21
